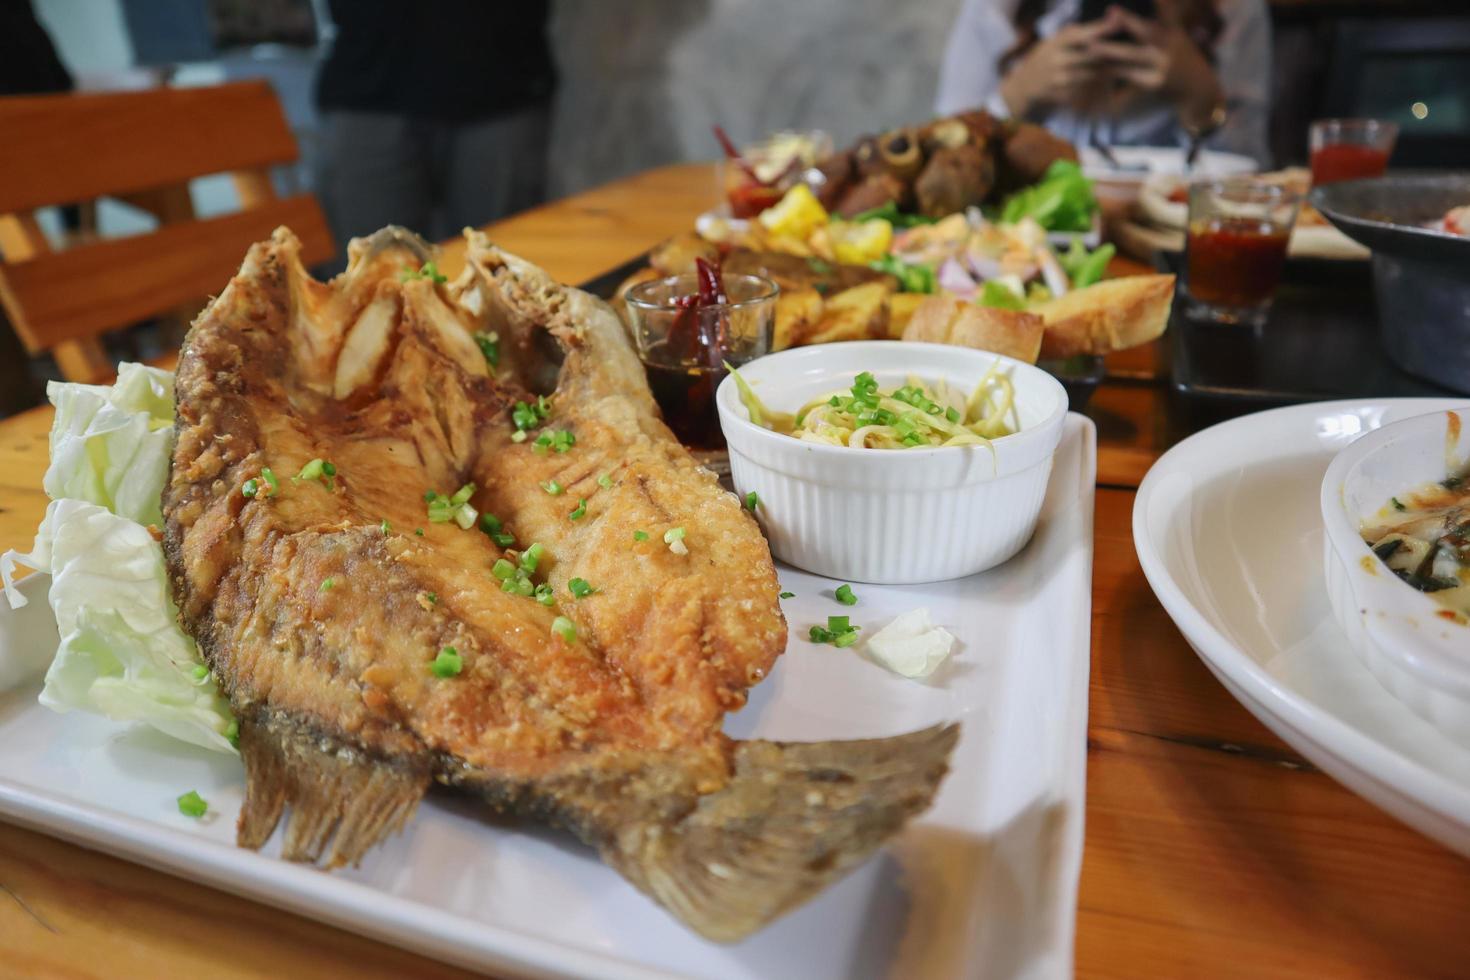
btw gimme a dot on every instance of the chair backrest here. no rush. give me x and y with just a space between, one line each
143 147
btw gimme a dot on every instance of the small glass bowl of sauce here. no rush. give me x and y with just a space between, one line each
1349 149
1235 248
688 328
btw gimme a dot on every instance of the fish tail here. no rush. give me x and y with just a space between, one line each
337 796
793 818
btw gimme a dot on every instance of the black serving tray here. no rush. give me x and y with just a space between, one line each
1080 376
1320 341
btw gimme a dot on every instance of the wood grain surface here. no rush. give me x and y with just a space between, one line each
1213 850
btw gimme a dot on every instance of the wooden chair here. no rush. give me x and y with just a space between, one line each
140 147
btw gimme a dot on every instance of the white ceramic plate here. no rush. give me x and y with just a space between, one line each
983 884
1138 163
1229 532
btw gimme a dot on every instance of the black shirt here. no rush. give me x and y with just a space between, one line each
445 59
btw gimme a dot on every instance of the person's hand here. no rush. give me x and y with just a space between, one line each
1163 61
1059 70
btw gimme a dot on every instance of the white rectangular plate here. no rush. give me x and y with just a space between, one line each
982 884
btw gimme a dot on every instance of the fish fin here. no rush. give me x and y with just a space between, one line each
337 795
793 818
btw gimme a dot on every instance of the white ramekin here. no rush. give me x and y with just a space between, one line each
882 515
1399 634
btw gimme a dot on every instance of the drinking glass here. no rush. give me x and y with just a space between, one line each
1236 247
1346 149
684 349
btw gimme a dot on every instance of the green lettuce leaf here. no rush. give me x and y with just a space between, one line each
998 295
1084 268
1061 201
110 445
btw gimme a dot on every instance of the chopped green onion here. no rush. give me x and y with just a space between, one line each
232 732
518 436
752 501
844 595
952 414
433 598
489 344
526 416
419 531
604 481
640 535
250 488
465 516
385 527
428 271
503 538
191 804
447 664
200 672
580 588
579 511
545 595
429 496
564 628
462 495
673 534
531 557
838 632
553 488
1397 505
329 468
489 523
327 583
270 478
788 595
502 569
311 471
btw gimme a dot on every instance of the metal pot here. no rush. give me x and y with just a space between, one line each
1421 276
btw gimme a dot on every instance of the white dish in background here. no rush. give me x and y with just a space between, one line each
891 515
1228 529
1138 163
985 883
1397 632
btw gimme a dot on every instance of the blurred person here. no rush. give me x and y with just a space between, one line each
1120 79
434 115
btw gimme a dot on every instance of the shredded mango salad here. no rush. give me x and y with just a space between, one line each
917 415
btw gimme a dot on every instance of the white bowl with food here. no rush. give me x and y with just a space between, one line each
956 491
1396 510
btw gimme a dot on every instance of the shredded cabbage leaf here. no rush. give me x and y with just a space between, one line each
110 444
121 653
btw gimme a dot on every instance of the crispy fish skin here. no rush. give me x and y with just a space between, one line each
321 608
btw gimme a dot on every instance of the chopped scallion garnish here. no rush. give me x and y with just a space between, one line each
845 596
447 664
579 511
327 584
788 595
502 569
385 527
489 344
531 557
250 488
429 270
752 501
545 595
565 629
838 632
553 488
270 478
200 672
580 588
674 538
191 804
640 535
605 482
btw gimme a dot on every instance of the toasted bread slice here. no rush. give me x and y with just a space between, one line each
1114 314
947 320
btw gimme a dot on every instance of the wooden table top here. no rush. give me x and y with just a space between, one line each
1212 848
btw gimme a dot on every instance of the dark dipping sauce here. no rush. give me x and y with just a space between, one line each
686 395
1347 161
1234 261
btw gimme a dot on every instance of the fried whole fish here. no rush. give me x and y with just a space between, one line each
335 612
